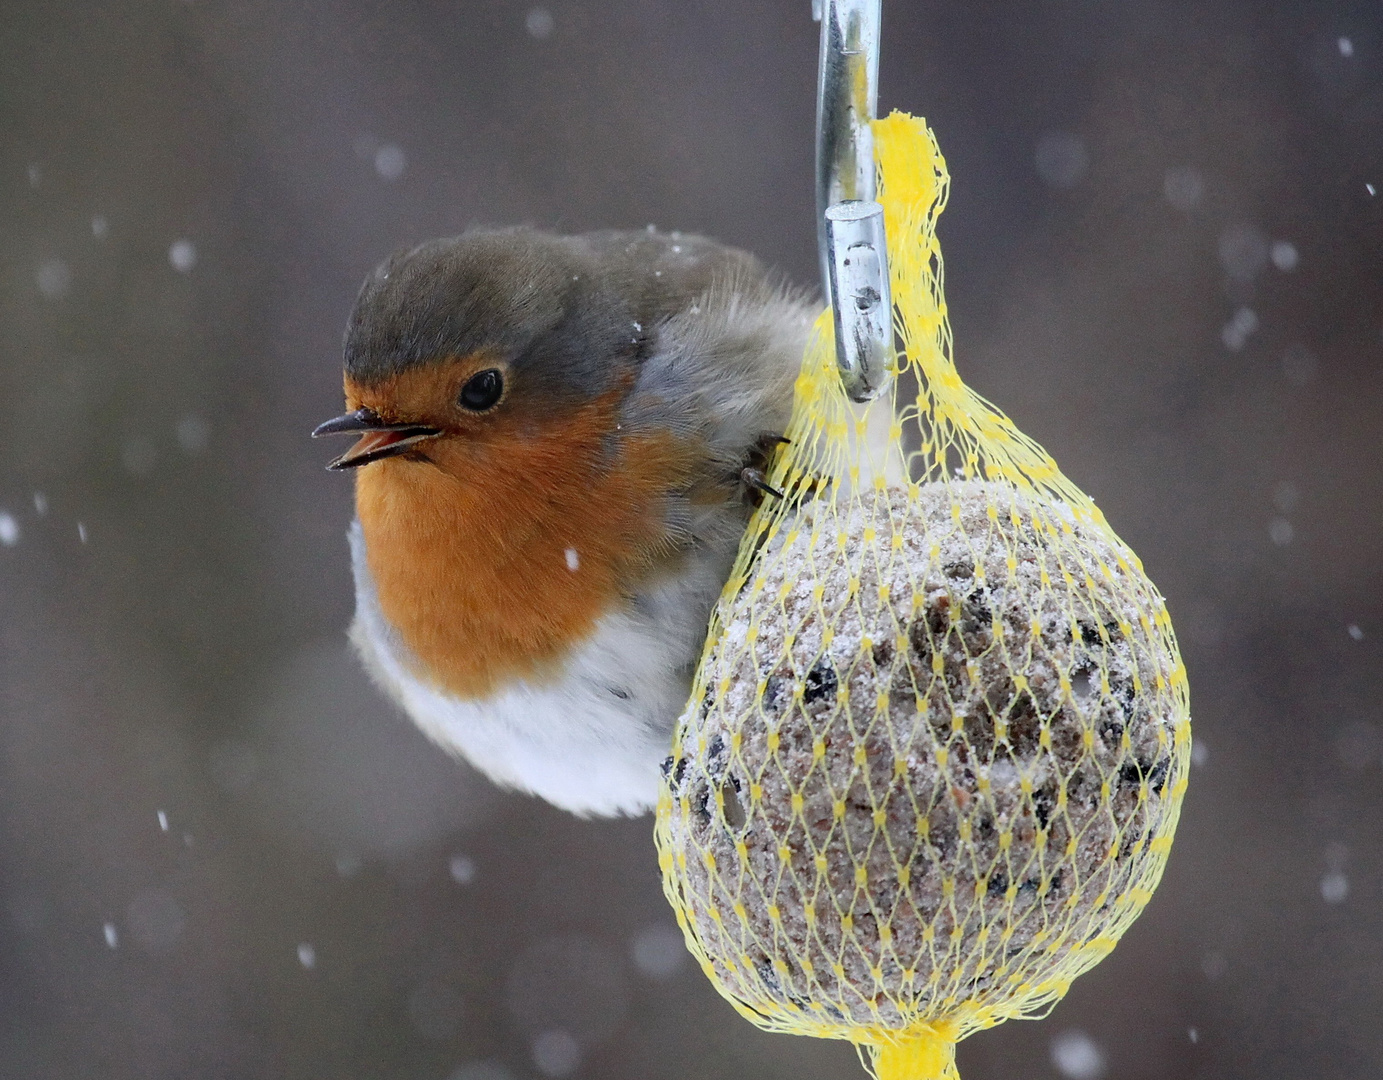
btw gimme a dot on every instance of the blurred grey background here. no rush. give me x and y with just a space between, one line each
223 855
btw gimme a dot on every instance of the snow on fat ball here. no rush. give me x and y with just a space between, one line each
918 748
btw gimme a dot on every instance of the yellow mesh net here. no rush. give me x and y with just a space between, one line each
938 741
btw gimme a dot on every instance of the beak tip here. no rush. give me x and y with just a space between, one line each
351 423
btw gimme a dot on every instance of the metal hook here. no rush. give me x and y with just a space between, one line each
850 227
860 298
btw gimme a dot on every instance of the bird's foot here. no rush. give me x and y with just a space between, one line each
755 480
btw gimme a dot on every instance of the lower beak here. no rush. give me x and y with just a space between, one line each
379 439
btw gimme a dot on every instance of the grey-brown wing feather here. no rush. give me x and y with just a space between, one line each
724 345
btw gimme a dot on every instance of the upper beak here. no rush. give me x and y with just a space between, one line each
379 439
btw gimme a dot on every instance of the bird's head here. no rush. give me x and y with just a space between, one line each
462 346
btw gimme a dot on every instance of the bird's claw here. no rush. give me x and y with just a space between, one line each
755 480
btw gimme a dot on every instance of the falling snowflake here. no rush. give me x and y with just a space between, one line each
182 256
539 23
390 161
1284 255
556 1053
462 869
659 951
1076 1056
1236 332
54 278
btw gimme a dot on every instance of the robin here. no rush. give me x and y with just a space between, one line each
560 441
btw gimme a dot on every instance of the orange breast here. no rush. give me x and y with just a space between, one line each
495 560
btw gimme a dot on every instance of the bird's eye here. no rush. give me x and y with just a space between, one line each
482 390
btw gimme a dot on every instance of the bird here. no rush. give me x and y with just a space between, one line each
560 440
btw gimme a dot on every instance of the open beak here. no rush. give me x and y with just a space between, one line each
379 439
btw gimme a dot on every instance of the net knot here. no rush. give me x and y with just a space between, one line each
926 1052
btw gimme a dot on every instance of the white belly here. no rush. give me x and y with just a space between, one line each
592 738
